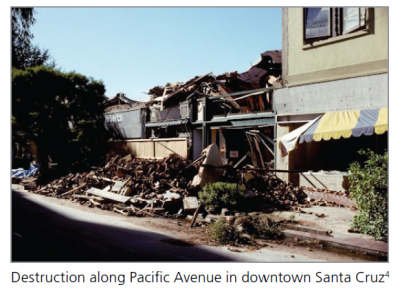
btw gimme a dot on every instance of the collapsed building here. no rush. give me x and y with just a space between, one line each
125 118
232 110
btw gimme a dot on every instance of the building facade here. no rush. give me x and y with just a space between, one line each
335 68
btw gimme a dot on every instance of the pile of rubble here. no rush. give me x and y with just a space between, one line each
127 185
327 191
329 198
166 187
268 192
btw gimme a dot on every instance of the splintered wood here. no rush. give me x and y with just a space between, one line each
152 187
169 187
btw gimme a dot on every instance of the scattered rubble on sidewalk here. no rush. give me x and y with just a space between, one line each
169 187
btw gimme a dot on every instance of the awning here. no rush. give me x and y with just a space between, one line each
343 124
334 125
289 141
167 123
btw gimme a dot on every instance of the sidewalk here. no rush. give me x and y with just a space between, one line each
331 229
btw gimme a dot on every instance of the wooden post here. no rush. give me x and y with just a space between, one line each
259 152
195 215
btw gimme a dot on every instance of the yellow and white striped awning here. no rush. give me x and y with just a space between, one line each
336 125
343 124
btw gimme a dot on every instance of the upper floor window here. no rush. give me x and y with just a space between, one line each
326 22
353 18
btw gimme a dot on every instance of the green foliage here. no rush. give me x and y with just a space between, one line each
21 21
223 232
257 225
220 195
61 112
24 54
238 230
369 187
265 228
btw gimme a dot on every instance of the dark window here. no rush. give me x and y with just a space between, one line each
317 22
326 22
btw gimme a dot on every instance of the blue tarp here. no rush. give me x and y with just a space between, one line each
21 173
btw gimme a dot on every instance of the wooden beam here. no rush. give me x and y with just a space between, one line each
253 154
124 184
241 93
195 215
265 144
259 152
241 160
144 212
73 190
108 195
266 137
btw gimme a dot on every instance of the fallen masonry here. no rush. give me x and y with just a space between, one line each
169 187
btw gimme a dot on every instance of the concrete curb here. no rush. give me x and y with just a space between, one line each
349 244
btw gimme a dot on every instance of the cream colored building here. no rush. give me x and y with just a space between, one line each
334 62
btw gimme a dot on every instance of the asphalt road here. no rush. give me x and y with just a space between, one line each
44 230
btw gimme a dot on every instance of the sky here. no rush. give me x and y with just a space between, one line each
134 49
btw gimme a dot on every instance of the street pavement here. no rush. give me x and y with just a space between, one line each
45 231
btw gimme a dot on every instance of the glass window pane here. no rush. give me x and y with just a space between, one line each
318 22
351 19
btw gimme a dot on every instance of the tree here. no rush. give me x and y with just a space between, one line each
24 54
62 113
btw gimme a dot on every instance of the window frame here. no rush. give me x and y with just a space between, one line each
310 40
336 25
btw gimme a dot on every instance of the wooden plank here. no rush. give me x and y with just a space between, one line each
126 158
80 196
121 212
265 144
117 186
100 178
254 158
165 148
201 158
144 212
73 190
124 184
241 160
97 204
108 195
266 137
259 152
195 215
141 149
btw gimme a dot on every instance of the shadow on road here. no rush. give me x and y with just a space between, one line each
40 234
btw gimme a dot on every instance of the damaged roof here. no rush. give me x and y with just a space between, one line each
270 63
266 70
121 102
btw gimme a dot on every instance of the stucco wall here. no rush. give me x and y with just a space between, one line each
352 55
355 93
